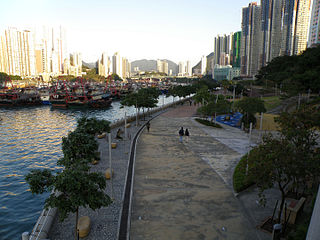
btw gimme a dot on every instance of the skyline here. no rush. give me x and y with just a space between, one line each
178 31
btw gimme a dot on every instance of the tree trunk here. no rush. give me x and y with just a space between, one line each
76 229
283 197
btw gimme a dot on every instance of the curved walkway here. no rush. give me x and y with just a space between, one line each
182 190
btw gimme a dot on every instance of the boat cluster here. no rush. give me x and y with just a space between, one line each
62 94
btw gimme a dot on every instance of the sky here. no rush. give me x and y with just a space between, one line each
178 30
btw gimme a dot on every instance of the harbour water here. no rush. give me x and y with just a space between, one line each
30 138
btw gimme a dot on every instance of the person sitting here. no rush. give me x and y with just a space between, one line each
119 132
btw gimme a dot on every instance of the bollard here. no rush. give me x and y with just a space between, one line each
276 233
25 236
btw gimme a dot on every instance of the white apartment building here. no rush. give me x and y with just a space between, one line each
162 66
314 31
117 64
185 69
203 65
17 52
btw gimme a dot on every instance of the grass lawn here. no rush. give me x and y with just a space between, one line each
268 123
271 102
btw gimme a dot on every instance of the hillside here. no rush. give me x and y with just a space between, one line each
151 65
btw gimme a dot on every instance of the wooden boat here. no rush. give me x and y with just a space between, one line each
81 95
28 96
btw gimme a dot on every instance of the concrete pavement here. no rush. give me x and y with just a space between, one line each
184 190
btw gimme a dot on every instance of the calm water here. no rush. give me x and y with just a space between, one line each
30 138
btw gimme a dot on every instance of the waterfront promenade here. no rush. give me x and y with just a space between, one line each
181 190
184 190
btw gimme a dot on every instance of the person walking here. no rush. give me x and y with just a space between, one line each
181 133
187 134
148 126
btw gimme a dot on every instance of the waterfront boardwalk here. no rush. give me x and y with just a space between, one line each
181 190
184 190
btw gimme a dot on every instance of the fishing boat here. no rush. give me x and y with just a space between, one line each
81 95
14 97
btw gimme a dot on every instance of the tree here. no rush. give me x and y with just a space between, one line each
295 74
293 157
75 186
144 98
268 165
202 95
215 106
4 77
299 129
249 107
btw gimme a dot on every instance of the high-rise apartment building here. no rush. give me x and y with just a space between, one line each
182 69
271 24
117 64
126 68
295 26
188 69
3 55
235 49
75 67
162 66
250 39
314 31
17 52
222 49
203 65
103 65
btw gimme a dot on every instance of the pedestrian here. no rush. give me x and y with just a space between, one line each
190 101
181 133
187 134
148 126
119 132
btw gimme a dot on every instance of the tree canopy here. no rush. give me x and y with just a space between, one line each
249 106
294 73
291 158
75 186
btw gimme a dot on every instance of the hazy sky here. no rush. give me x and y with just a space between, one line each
178 30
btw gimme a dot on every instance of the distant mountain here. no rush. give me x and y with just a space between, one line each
151 65
89 65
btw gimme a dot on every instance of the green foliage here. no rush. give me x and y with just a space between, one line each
40 181
144 98
249 107
202 95
269 165
75 186
207 123
4 77
74 154
294 73
116 77
292 157
76 189
181 91
239 88
93 125
209 84
241 181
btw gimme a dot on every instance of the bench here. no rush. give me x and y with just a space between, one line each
293 209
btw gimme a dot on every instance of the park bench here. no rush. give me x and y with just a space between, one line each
294 208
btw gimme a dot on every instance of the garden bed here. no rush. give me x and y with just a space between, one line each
208 123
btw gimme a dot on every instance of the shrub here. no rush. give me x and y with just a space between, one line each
208 123
241 181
